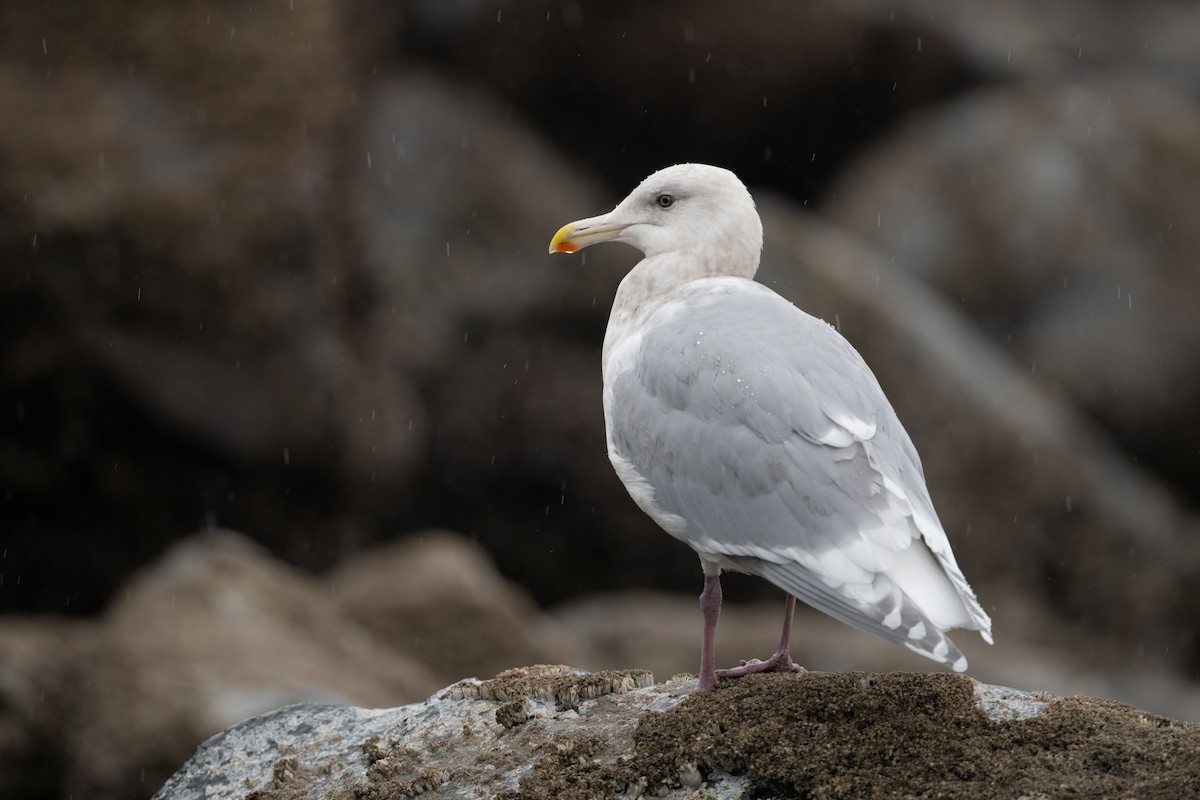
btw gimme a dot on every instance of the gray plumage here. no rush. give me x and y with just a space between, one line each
755 433
747 417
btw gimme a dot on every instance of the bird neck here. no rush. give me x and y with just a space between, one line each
657 275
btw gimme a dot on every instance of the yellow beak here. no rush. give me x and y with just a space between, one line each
574 236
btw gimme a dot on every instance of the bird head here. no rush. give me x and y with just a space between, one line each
687 207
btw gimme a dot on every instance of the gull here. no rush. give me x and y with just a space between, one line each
756 434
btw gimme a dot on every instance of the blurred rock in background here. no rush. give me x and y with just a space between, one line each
280 268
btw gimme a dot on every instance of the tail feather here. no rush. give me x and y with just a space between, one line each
884 610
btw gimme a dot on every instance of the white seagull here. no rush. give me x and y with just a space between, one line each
757 435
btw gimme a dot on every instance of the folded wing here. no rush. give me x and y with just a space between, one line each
757 434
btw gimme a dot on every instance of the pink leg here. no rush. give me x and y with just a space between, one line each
780 662
710 606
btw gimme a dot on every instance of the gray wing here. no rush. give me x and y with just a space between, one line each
766 433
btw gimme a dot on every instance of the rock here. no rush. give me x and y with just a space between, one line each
215 632
437 597
619 734
42 662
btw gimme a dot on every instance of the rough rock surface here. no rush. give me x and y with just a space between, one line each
214 632
554 732
217 630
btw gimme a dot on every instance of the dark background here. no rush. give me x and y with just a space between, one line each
280 268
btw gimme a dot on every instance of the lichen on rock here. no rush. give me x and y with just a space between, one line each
830 735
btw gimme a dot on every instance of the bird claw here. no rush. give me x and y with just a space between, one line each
780 662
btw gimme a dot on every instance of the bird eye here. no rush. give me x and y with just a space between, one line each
665 201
